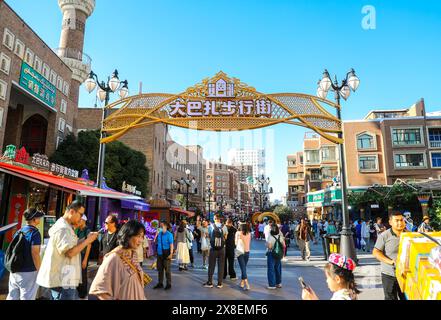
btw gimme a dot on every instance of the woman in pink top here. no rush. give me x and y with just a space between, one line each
243 241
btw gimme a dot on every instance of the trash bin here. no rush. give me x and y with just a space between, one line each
333 243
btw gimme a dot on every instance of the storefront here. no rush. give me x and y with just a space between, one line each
324 204
23 186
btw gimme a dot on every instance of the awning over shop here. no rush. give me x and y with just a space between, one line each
187 213
135 205
50 179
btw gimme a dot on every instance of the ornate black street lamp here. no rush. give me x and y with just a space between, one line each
103 93
189 183
351 82
261 194
209 194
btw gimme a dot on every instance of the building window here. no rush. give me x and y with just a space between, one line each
53 78
315 175
436 159
3 87
59 83
59 141
63 106
368 163
312 156
409 160
408 136
37 64
46 71
61 124
19 48
1 117
66 88
435 137
8 39
5 63
29 57
329 173
365 141
328 154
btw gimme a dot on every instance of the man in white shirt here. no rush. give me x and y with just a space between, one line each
267 229
60 269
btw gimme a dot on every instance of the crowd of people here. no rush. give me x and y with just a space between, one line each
63 270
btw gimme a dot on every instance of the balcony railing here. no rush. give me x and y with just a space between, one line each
435 144
74 54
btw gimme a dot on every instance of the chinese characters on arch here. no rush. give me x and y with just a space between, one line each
213 108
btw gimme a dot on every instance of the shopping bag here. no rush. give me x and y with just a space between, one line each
204 244
362 242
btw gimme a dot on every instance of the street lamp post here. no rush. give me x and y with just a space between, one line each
103 93
351 82
261 192
209 192
221 203
189 183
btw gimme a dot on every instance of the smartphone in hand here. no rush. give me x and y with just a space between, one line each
303 283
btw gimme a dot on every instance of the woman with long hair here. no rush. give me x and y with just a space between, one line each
275 247
120 277
243 241
183 254
339 273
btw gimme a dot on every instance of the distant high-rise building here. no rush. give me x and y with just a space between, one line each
248 157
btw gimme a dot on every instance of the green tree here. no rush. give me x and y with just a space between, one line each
121 164
283 212
435 214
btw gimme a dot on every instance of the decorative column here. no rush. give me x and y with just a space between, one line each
424 198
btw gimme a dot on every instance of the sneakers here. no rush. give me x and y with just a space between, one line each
167 287
158 286
271 288
233 279
208 284
279 286
220 286
247 286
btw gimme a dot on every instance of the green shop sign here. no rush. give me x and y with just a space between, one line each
34 83
323 197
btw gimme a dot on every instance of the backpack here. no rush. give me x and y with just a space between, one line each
218 239
14 257
277 250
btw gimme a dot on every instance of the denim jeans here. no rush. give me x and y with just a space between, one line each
274 270
243 261
64 293
22 286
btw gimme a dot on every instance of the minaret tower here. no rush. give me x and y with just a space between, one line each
75 14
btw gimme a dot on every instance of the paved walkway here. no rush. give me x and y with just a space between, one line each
188 284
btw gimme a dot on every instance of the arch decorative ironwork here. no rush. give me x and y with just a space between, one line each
222 103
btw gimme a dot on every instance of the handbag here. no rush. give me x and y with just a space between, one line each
240 248
204 244
145 278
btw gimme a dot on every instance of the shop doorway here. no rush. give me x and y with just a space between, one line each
33 136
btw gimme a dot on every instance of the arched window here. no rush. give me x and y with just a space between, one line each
366 141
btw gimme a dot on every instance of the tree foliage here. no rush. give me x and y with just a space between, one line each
121 163
283 212
435 214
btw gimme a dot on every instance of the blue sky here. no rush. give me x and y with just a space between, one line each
275 46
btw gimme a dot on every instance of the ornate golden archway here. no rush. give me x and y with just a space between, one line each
221 103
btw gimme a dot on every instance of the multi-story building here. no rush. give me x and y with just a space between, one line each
150 140
39 87
218 178
296 180
248 157
393 144
179 159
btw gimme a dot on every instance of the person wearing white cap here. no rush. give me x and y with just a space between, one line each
82 231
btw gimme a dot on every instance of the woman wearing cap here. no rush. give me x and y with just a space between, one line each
82 232
340 279
425 226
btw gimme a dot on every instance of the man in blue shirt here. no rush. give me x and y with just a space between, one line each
22 284
165 253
